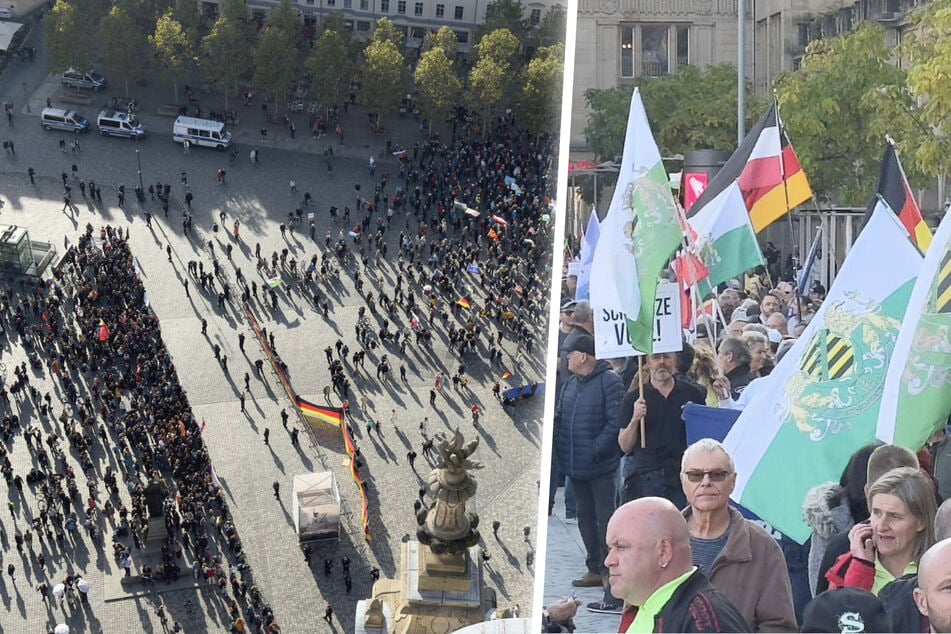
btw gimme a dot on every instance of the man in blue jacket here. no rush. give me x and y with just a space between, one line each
586 430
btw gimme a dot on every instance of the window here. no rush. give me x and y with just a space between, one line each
331 3
653 50
440 10
627 51
384 6
462 36
418 9
401 7
458 14
347 4
535 17
363 26
364 5
418 33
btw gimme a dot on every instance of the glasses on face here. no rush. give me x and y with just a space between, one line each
716 475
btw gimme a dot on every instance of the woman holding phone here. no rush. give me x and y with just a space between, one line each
898 532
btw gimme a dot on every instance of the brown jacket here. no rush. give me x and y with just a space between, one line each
751 572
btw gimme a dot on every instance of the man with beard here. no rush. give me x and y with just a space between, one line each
654 469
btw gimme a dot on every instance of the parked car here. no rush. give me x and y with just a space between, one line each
90 79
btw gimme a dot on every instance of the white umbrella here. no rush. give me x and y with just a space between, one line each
83 585
62 628
59 590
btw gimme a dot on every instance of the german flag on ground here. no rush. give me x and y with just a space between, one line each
465 303
894 191
355 474
506 375
316 413
767 170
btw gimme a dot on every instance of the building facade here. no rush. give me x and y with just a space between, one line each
618 40
415 18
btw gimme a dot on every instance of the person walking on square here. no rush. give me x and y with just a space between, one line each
277 489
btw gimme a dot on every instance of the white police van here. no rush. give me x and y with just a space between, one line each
201 132
116 123
62 119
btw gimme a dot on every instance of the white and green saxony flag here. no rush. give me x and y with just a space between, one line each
917 397
638 235
824 395
726 242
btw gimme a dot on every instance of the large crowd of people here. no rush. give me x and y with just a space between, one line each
662 540
117 421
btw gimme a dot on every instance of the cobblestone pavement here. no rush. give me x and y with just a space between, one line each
260 198
564 561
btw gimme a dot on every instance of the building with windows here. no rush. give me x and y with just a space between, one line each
415 18
619 40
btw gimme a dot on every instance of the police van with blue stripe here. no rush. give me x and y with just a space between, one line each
117 123
201 132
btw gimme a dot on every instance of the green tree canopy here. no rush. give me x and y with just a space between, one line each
500 46
284 18
172 49
539 106
919 113
235 10
144 12
272 72
503 14
445 38
330 67
186 13
552 29
827 106
69 37
689 110
383 77
124 46
438 85
386 31
228 57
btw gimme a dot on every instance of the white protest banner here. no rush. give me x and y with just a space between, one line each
611 339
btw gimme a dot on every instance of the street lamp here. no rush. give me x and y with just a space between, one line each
138 159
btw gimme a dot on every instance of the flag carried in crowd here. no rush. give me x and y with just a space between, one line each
806 273
895 193
638 236
766 172
821 402
916 401
586 257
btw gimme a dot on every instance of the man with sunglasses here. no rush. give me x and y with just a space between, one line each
741 559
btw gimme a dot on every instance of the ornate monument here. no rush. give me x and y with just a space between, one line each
440 587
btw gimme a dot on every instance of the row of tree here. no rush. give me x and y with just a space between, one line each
139 37
848 94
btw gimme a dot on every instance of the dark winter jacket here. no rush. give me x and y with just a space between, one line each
587 423
697 606
899 602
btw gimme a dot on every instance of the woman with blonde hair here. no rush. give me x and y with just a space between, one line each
704 371
899 531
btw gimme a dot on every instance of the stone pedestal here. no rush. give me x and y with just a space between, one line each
444 573
434 594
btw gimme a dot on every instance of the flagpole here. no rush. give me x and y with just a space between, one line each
782 174
640 385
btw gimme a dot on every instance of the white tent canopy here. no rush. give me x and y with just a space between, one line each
7 29
316 506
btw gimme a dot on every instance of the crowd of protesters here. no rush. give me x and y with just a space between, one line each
118 422
661 538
